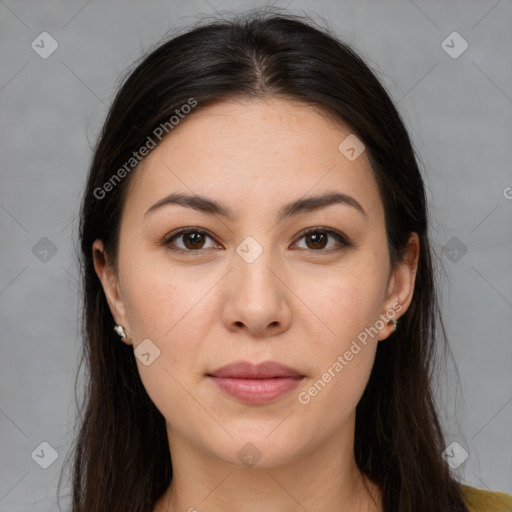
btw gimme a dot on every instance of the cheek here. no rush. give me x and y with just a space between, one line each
347 306
171 315
345 303
174 310
343 358
158 297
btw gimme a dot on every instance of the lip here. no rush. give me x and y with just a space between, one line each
256 383
247 370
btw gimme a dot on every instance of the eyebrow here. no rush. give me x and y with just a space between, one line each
213 207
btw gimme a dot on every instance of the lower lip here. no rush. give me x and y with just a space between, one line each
257 391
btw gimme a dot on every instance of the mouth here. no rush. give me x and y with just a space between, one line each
256 384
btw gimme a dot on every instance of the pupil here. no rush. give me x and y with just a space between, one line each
195 237
322 236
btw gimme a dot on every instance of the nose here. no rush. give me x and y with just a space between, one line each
257 296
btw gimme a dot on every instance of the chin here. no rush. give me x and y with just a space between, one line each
257 449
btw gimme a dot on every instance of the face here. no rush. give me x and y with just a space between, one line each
309 287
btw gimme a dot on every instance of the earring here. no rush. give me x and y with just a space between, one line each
395 323
121 332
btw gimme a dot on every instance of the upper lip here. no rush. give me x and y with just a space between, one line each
247 370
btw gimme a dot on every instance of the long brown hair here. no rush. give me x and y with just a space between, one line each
121 459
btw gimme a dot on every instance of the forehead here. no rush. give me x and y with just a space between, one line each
242 151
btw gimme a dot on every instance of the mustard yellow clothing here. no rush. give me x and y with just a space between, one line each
478 500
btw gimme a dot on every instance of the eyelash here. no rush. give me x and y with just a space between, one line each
342 241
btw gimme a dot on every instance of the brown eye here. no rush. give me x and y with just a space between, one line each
193 239
317 240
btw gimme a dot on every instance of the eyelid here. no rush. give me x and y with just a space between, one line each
342 240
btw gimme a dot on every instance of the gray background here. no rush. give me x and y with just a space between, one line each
458 111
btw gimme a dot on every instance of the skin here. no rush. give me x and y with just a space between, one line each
298 307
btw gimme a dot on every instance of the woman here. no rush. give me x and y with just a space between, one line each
254 229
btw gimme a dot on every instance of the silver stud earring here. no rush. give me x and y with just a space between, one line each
120 330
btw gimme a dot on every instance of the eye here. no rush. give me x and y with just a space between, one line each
319 237
193 240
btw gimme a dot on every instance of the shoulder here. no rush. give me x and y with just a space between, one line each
478 500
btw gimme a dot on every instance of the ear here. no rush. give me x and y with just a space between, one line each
401 285
110 284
